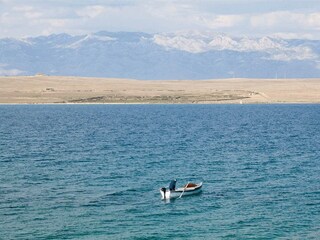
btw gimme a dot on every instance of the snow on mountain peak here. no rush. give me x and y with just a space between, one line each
197 42
90 37
180 43
160 56
208 42
223 43
189 41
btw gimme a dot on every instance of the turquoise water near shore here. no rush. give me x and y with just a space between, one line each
94 171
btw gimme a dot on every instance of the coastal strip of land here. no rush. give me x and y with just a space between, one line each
81 90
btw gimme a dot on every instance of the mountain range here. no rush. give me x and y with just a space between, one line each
180 55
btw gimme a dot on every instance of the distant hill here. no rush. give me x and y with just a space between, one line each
182 55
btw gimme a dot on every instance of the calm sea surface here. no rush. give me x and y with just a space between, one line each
94 171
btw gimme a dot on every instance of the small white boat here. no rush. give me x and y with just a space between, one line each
173 192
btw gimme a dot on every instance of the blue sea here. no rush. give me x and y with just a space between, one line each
94 171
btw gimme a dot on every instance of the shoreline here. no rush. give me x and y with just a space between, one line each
83 90
124 103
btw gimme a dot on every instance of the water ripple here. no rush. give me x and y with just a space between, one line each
94 172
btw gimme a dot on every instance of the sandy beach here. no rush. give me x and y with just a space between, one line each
56 89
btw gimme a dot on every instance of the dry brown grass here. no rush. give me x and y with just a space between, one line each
44 89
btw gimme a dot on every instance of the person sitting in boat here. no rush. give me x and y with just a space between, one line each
172 185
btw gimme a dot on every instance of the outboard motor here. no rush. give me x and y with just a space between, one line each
172 185
164 192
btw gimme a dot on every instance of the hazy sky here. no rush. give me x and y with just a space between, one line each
287 18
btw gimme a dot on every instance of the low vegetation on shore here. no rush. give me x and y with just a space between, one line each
55 89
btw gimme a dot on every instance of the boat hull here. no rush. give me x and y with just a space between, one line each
167 194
